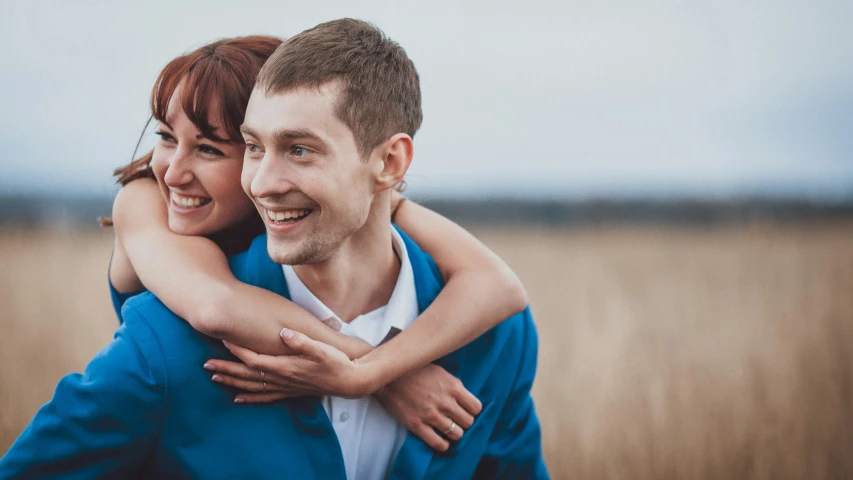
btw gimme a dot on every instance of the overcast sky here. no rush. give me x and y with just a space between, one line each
562 99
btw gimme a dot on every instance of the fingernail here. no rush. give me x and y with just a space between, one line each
238 400
286 333
227 345
210 367
216 378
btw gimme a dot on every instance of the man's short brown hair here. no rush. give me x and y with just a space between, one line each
380 95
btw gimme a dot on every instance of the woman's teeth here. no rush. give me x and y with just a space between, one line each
188 202
287 215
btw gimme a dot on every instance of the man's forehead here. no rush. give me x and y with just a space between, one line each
328 88
304 108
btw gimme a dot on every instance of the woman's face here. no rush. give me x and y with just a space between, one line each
199 177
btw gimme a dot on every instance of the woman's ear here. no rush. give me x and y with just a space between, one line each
396 156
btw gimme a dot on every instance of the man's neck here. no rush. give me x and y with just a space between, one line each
237 238
360 276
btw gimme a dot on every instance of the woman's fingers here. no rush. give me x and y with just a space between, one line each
443 424
240 371
458 414
449 428
256 360
468 401
316 368
233 368
431 438
253 398
247 385
301 343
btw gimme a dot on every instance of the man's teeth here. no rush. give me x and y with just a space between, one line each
287 215
188 202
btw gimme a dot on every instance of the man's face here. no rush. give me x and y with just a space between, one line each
303 171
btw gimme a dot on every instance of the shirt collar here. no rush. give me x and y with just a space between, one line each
402 307
403 304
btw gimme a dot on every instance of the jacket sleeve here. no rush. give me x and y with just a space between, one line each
515 446
99 424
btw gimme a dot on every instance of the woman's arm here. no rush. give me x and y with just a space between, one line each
480 292
190 275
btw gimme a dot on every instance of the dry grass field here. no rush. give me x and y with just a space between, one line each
664 352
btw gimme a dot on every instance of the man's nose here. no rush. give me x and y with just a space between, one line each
271 178
179 172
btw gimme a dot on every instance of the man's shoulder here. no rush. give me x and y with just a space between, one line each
154 327
244 264
146 307
516 333
431 284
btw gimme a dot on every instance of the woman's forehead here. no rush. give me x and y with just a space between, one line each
204 120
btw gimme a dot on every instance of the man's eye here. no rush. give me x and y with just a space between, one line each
253 148
300 151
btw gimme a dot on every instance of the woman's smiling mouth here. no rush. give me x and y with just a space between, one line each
187 203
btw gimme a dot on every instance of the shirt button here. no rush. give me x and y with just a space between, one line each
344 417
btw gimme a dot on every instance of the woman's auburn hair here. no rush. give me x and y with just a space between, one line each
217 81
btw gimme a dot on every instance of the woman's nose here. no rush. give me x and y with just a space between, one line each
179 172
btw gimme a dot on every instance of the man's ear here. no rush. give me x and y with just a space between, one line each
396 156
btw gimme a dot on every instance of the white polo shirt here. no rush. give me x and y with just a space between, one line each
369 436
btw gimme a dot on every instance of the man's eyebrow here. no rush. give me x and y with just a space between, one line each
287 135
283 136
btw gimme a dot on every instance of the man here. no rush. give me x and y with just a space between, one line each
328 133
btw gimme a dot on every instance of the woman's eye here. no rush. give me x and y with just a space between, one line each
210 150
253 148
165 136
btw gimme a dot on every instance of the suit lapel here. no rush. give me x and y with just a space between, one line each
415 456
255 267
261 271
258 269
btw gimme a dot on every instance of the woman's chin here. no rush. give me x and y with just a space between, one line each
183 227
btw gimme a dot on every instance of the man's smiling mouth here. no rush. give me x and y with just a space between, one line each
286 217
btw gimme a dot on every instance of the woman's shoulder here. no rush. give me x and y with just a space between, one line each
135 194
122 279
120 298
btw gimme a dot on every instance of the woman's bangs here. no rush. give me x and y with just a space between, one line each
202 92
166 84
204 95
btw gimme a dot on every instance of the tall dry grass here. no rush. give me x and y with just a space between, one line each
664 352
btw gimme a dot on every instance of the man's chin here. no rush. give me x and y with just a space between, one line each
277 253
283 253
293 253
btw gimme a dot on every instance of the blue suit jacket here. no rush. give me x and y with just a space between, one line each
145 407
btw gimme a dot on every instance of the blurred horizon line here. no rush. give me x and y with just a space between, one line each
78 210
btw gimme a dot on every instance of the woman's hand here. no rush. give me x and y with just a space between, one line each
429 402
432 404
315 369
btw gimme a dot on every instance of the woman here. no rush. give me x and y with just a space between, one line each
182 210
